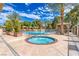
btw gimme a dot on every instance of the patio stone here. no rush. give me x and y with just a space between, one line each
63 46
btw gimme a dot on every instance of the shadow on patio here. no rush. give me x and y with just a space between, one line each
73 45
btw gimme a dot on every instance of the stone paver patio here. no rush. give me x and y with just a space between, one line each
26 49
65 45
4 50
73 45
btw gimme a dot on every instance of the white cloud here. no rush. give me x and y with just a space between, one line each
27 4
46 8
12 4
34 12
2 21
68 8
40 8
8 8
29 15
3 17
48 18
42 11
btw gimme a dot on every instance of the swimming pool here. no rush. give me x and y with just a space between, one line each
40 40
36 32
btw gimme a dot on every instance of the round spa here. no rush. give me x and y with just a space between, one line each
41 40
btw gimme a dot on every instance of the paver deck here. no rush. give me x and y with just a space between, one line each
73 45
65 46
4 50
23 48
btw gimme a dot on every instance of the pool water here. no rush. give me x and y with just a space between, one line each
35 32
41 40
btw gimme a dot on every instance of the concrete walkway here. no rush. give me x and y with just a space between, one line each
23 48
6 49
73 45
67 46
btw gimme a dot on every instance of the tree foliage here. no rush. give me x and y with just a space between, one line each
1 6
73 16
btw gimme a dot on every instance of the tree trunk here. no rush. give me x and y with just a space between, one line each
62 18
8 33
15 34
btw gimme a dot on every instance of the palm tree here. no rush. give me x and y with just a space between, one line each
59 8
16 25
56 21
27 24
8 26
62 18
37 24
73 16
48 24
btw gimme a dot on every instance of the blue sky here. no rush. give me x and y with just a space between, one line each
28 11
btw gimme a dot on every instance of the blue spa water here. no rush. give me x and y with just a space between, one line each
40 40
